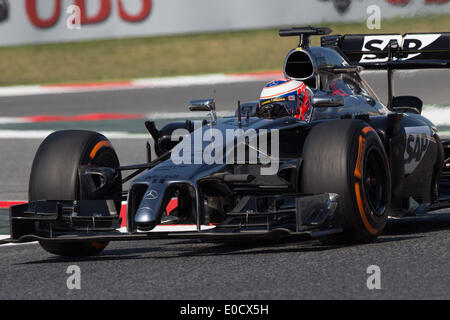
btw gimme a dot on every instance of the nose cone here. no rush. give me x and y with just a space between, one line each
145 215
149 212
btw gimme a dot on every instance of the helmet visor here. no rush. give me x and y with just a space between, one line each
291 105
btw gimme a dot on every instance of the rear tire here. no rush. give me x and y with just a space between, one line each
54 176
347 157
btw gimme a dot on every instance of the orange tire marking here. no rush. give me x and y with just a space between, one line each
358 175
362 212
367 129
98 146
359 161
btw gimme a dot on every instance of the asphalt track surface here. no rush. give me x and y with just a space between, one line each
413 254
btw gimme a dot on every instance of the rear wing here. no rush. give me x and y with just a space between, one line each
393 51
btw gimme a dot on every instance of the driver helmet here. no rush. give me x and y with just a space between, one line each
291 95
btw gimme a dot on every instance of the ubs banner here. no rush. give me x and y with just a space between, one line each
41 21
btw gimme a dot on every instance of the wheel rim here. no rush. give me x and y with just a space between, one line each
375 180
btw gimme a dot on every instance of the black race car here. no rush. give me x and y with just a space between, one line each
335 176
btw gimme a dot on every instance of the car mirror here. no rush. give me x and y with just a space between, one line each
204 105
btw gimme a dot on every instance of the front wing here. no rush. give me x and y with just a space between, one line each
290 215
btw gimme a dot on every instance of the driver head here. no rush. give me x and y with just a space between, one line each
286 97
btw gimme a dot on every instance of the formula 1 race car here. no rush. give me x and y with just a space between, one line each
335 175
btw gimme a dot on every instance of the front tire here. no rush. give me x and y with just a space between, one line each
347 157
54 176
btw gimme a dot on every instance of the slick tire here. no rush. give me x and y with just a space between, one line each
54 176
348 158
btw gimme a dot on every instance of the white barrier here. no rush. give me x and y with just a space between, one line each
41 21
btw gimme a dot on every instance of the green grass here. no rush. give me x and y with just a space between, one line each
243 51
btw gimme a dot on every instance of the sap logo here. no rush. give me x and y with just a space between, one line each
417 143
408 42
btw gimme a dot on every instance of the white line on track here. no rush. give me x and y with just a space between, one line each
2 237
9 120
166 82
183 115
41 134
20 91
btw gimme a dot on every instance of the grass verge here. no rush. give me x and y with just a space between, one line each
243 51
